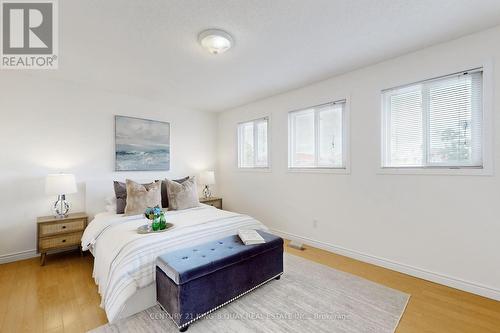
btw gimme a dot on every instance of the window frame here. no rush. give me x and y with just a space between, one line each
345 168
443 169
255 142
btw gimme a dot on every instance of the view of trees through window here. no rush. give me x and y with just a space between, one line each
434 123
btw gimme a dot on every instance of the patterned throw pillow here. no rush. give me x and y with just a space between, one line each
182 196
164 192
140 197
121 196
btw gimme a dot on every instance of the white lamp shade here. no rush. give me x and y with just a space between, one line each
58 184
207 178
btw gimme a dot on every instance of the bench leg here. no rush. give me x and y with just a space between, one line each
278 277
184 329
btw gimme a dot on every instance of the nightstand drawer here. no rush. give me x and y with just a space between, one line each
66 240
63 227
56 233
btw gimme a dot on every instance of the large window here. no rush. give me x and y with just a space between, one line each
317 137
434 123
253 147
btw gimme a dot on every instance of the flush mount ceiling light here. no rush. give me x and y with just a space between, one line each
215 41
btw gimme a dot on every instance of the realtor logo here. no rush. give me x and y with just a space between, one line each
29 34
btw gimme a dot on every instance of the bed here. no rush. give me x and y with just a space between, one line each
124 264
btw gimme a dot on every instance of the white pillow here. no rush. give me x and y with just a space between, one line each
111 204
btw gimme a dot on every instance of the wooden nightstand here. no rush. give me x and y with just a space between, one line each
212 201
60 233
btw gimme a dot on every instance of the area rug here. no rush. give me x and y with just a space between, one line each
309 298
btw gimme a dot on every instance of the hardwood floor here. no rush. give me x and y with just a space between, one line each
58 297
62 297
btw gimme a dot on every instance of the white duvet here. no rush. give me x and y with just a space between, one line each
125 260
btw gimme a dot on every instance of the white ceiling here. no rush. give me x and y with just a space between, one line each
149 48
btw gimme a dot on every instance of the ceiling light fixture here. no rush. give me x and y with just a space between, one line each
215 41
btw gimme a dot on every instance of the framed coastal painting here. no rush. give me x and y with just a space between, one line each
141 144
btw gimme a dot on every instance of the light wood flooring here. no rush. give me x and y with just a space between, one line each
62 297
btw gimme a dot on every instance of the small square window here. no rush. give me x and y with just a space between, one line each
253 147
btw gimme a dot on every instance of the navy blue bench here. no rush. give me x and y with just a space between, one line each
193 282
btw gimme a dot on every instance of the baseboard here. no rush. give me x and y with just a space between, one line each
18 256
446 280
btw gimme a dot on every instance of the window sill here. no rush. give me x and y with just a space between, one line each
341 171
254 169
437 171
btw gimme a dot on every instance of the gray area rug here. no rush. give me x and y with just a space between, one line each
309 298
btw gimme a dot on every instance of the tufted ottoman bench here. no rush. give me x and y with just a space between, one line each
195 281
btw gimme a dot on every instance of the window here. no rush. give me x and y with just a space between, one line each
253 147
317 137
434 123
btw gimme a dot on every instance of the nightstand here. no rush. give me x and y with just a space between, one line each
59 233
212 201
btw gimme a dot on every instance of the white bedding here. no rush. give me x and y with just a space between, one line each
125 260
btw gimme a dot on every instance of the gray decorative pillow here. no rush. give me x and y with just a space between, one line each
121 196
140 197
182 196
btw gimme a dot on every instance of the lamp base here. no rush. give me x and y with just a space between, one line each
61 207
206 192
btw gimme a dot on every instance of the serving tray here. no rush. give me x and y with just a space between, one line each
146 229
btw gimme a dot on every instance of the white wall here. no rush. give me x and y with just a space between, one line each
440 227
49 126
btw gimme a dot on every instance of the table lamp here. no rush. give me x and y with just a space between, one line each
207 178
60 185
